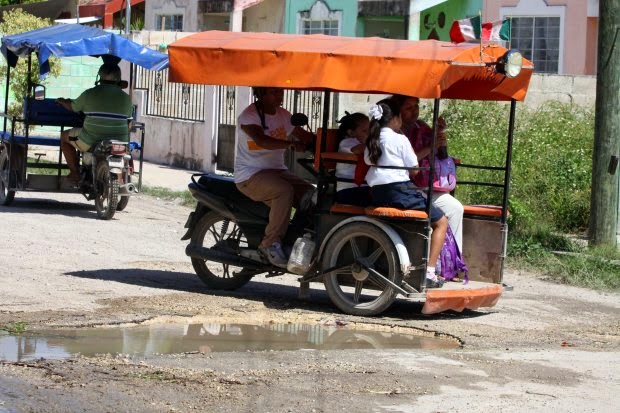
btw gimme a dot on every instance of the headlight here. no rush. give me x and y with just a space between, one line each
510 63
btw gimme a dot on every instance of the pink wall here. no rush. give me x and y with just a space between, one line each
579 34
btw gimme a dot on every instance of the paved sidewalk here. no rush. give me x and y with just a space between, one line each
175 179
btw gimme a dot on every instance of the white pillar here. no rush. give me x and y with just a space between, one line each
210 128
236 21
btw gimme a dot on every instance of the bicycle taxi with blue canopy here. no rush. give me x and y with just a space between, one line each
110 165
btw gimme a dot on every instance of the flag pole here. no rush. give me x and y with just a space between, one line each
510 32
480 23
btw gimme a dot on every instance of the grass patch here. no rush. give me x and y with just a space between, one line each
164 193
591 267
17 327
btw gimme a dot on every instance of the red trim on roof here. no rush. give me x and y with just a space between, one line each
105 9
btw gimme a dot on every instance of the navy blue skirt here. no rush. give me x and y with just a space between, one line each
402 195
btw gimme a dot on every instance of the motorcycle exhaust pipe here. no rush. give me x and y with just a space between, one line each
222 257
128 189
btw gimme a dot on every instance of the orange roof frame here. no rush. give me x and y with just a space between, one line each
427 69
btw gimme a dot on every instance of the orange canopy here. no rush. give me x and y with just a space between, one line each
427 69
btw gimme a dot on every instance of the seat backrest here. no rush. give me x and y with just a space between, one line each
48 112
331 145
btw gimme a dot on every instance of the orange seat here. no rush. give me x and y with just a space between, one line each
494 211
395 212
347 209
331 145
377 211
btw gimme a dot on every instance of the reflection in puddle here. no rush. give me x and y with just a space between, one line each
204 338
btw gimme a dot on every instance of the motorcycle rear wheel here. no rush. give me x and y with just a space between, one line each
106 191
122 204
216 231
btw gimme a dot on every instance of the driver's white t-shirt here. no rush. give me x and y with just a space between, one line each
250 157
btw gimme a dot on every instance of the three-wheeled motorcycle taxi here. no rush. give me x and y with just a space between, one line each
365 257
107 172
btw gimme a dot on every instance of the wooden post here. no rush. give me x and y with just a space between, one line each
604 198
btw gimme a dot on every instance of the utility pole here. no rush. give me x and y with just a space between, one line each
604 198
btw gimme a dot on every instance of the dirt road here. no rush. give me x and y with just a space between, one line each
544 347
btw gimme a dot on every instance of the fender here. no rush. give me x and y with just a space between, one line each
193 218
397 241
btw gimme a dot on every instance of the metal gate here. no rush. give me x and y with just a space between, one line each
305 101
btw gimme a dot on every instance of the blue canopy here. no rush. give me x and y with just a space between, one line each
66 40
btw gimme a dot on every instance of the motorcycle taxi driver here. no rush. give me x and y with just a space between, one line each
264 128
108 112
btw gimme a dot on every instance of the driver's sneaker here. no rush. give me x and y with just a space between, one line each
274 254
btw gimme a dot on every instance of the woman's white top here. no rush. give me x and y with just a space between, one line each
396 151
346 170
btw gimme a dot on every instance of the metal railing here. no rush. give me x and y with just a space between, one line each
170 100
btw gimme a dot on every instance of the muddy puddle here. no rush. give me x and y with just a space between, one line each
204 338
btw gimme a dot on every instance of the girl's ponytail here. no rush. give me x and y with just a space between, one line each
380 115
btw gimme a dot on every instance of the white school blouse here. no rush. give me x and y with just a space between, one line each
396 151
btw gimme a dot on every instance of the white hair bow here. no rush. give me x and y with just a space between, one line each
376 112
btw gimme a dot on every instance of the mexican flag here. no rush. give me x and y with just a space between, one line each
472 29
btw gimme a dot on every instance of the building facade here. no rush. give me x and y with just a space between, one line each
560 36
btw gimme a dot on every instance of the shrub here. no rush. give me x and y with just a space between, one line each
18 21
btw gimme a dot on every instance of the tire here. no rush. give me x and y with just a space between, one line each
6 196
123 200
106 191
360 240
215 231
122 203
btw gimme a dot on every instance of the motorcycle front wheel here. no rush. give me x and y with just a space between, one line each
217 232
106 191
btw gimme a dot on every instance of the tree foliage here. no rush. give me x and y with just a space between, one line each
18 21
14 2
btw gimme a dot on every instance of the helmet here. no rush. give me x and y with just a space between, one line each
109 72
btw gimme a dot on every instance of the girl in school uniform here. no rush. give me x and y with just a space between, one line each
352 135
393 187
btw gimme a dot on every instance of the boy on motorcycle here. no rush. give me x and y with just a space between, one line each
107 111
260 171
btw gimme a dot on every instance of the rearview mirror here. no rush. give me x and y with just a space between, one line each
299 119
39 92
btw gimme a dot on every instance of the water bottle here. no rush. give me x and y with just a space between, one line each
301 255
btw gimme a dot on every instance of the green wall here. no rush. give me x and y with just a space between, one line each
453 10
348 8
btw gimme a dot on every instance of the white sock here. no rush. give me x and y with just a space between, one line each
430 273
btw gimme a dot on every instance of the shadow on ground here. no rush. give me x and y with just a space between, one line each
274 296
84 209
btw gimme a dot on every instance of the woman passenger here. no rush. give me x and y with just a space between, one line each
421 137
385 146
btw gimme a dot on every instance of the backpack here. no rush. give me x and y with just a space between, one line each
450 259
445 174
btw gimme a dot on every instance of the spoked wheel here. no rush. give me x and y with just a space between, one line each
216 232
106 191
6 196
352 288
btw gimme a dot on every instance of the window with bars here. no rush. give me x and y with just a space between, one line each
329 27
171 22
538 39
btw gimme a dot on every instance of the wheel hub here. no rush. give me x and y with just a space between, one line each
358 271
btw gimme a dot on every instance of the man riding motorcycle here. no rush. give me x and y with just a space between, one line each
260 171
108 111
